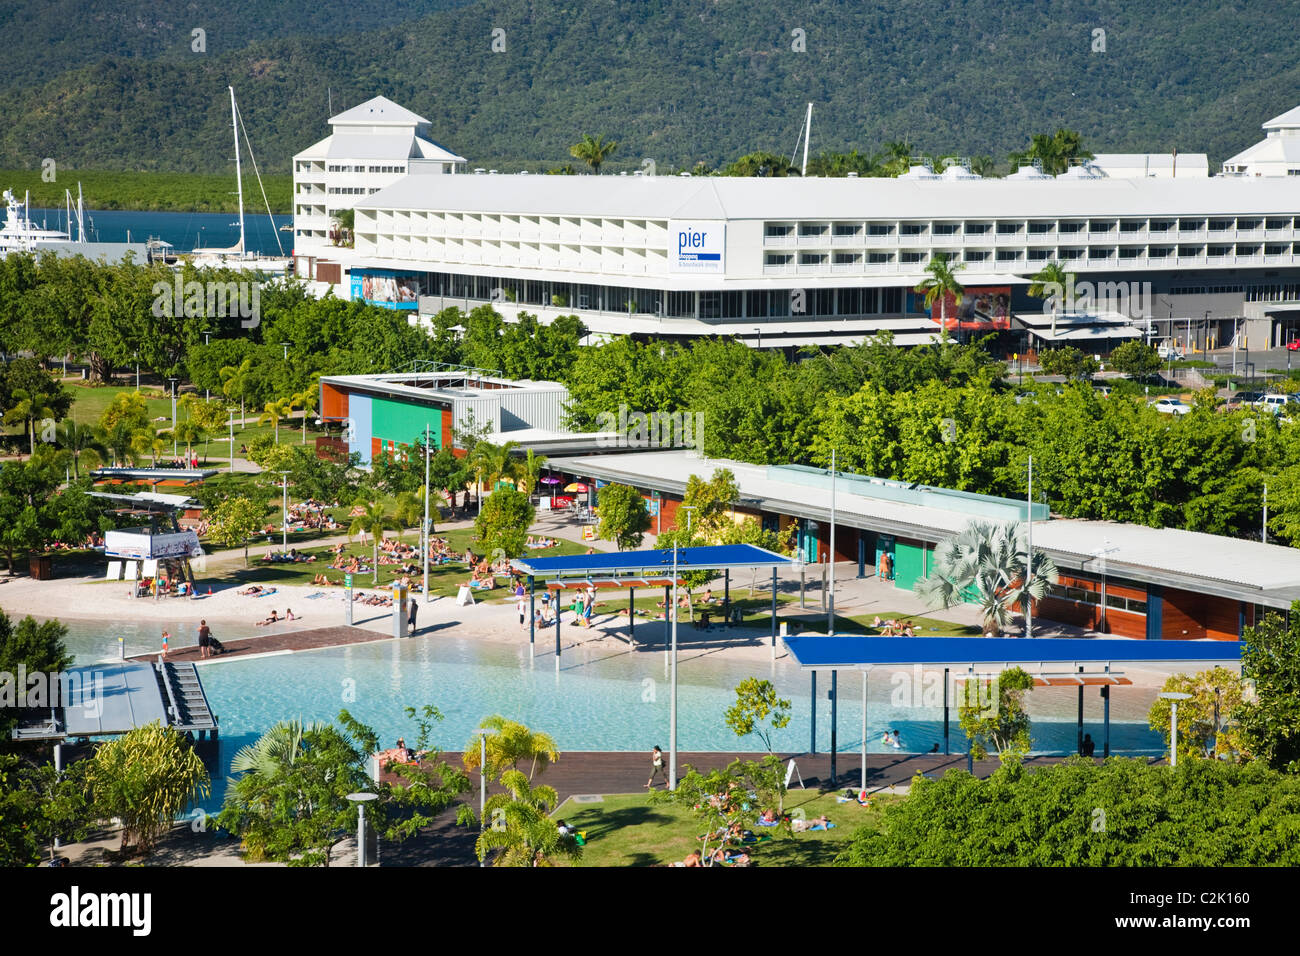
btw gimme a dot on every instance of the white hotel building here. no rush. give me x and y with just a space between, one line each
821 261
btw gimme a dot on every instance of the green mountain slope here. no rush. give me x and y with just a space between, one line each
684 80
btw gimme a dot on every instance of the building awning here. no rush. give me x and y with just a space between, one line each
653 563
816 652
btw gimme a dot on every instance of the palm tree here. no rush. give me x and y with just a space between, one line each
492 463
593 150
274 750
941 284
1055 152
530 471
521 827
190 433
28 408
307 400
985 562
235 381
512 744
1054 283
374 522
274 411
408 509
79 440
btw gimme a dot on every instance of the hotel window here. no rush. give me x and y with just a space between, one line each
1191 251
1009 228
778 259
975 255
912 257
1008 255
946 228
1247 225
1069 228
1100 226
811 230
777 230
1131 225
1160 252
848 229
1095 253
1279 224
1131 252
1191 225
1161 225
812 258
880 229
1067 255
847 258
913 229
880 258
1221 225
891 301
978 228
1220 251
1040 228
1273 249
1039 255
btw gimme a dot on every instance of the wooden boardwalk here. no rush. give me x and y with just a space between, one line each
309 639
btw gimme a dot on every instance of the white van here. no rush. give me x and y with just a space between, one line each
1168 350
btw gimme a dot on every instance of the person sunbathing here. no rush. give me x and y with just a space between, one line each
692 859
251 590
270 620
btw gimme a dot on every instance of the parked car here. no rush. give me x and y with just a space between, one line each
1168 350
1274 403
1102 390
1171 406
1293 345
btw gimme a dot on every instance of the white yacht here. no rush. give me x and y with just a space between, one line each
19 233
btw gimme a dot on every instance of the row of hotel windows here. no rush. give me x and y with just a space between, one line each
752 303
352 190
783 230
365 169
1031 255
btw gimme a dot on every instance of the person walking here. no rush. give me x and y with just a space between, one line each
205 637
657 767
414 606
521 605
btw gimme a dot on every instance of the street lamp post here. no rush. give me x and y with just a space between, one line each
672 677
207 393
424 536
482 778
1173 699
361 799
173 384
1029 551
231 466
830 604
284 511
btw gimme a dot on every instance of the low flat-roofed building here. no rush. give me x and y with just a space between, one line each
1154 583
1277 154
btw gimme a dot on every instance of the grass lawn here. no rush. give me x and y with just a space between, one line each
629 830
89 401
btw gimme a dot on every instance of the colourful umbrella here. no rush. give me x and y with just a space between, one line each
576 486
549 480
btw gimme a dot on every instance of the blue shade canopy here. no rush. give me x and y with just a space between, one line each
720 557
822 652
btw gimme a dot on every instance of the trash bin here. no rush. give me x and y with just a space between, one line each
40 567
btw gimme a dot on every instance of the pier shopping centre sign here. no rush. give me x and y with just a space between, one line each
697 247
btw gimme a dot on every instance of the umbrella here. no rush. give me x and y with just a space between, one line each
576 486
549 480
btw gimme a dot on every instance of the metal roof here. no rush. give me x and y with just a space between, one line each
847 652
377 111
726 197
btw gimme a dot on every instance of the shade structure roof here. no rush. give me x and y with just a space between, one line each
654 563
849 652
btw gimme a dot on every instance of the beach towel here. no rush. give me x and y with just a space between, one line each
818 826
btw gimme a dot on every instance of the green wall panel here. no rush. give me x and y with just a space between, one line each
907 564
402 422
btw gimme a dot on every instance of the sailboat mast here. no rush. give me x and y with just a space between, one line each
81 216
239 179
807 135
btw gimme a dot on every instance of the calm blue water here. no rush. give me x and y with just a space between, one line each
602 699
184 230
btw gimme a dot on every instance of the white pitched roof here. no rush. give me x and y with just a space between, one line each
427 149
674 197
380 111
358 146
1288 120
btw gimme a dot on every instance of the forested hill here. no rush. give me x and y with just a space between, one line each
113 84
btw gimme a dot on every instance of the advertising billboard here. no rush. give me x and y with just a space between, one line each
393 290
982 308
699 248
138 544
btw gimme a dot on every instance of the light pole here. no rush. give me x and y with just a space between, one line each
137 371
482 778
1173 699
672 678
173 384
207 394
231 466
284 511
424 536
361 799
1029 551
830 604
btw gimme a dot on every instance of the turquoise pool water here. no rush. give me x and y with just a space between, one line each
601 699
